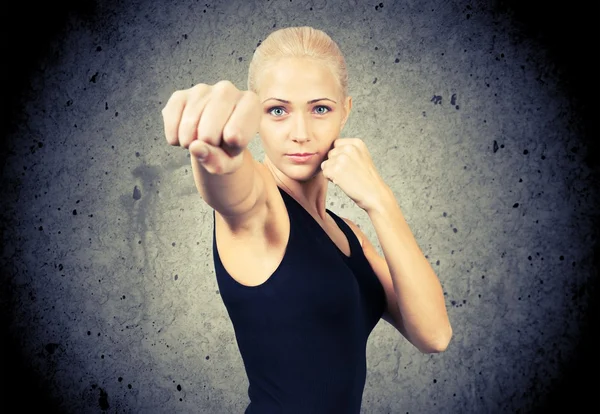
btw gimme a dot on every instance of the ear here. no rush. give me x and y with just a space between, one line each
347 109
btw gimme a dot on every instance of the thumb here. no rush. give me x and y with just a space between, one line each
200 151
214 159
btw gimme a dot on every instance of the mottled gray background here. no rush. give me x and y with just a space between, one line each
479 115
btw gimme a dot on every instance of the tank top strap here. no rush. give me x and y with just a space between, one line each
355 246
293 206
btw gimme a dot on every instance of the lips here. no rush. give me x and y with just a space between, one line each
300 157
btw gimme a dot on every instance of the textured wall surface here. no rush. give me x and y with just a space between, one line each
474 119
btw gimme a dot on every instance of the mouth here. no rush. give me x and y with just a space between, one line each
301 157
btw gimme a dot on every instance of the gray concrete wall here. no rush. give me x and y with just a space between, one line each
109 293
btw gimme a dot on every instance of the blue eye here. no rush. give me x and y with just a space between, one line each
321 108
276 111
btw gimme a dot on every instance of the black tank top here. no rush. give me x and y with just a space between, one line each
302 334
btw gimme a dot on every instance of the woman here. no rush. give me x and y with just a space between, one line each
303 287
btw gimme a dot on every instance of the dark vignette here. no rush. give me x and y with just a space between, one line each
28 31
567 30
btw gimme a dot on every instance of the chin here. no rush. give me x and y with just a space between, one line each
302 173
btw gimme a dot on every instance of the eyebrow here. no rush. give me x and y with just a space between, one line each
309 102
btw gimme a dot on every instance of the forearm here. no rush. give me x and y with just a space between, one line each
230 194
418 290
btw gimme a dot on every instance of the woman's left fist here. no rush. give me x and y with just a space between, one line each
350 167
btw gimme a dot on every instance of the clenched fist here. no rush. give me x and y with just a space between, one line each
214 122
350 167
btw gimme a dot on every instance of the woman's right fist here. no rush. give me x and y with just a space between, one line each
214 122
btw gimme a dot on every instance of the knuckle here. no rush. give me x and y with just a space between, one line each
199 87
232 134
224 87
250 95
177 96
253 100
224 84
342 160
173 99
197 92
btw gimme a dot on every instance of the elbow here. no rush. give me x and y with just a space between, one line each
437 345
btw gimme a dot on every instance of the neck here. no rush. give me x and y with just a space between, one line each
310 194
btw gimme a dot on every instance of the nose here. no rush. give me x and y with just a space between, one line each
301 129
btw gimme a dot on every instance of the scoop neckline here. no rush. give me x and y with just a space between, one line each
334 217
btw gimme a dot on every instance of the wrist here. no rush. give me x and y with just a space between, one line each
383 198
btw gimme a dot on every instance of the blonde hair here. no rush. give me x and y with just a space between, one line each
298 42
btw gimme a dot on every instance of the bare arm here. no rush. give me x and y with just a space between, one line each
414 294
232 195
419 296
216 123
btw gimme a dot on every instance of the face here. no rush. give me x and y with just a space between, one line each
303 113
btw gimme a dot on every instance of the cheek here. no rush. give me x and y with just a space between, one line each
329 130
270 137
274 131
266 128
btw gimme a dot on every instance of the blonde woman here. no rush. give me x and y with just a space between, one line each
303 287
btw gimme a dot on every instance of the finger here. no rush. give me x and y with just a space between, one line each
347 141
328 168
351 147
323 166
213 159
324 169
340 142
243 124
342 152
217 111
199 150
331 148
194 106
172 116
334 153
327 171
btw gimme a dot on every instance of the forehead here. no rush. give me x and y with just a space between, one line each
298 79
